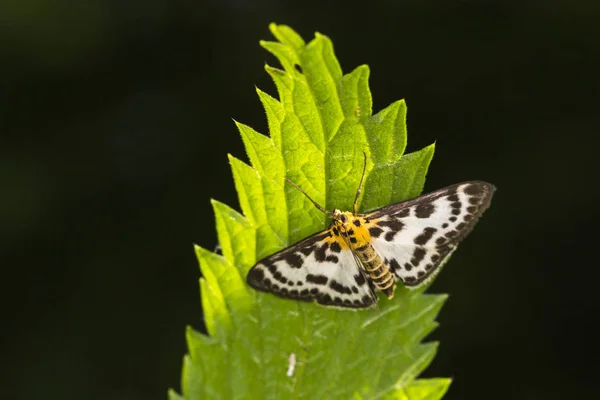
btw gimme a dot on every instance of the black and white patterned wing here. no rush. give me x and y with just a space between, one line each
416 237
314 269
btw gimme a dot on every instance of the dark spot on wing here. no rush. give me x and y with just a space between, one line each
316 279
418 255
451 234
453 197
460 226
320 253
421 274
444 251
394 266
426 236
362 248
409 279
332 259
353 240
350 232
424 210
307 250
474 200
456 204
389 236
359 279
435 258
335 247
338 287
429 267
474 190
256 278
293 259
356 222
408 266
375 231
440 241
405 212
456 211
452 219
444 225
299 283
471 209
393 223
335 231
325 299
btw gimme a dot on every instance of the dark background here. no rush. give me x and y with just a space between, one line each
116 120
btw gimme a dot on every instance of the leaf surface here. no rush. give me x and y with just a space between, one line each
319 129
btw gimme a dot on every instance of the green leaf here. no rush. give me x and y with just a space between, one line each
319 129
422 389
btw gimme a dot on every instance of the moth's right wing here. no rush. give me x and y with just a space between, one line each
416 237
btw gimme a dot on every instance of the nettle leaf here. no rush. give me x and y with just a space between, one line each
319 129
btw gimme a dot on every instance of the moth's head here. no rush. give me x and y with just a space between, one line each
342 217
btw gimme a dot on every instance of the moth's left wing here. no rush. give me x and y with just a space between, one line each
314 269
415 237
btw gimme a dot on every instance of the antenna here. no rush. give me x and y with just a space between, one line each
360 186
308 197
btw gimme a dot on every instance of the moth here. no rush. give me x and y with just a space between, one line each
359 254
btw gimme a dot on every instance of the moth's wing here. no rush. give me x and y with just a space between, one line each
314 269
417 236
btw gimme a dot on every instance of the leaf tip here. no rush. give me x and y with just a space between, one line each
273 28
238 125
199 251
